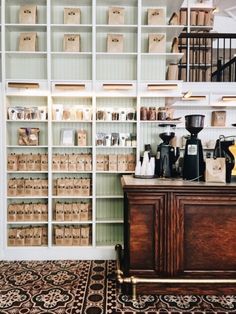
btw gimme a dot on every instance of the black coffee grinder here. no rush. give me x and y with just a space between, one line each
193 163
166 155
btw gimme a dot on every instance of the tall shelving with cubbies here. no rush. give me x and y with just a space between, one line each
94 91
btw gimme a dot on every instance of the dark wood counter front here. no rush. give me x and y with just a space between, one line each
180 229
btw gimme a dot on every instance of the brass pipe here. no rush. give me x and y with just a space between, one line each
136 280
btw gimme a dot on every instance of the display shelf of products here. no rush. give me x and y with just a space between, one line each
126 74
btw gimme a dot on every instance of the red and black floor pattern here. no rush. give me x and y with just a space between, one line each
88 287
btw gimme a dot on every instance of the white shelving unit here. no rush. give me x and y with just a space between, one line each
94 79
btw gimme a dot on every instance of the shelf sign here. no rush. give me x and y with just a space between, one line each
23 85
161 86
117 86
70 86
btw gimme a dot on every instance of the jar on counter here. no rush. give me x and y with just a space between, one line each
162 114
143 113
152 113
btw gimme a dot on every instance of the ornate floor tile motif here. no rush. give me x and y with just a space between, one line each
89 287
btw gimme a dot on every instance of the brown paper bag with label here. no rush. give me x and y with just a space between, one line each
156 16
44 236
12 237
112 162
28 42
37 212
12 187
44 212
68 239
12 162
156 43
72 16
215 170
122 162
72 162
28 14
11 212
218 118
56 162
59 235
44 162
20 212
76 236
20 237
81 138
116 16
115 43
67 211
59 212
64 162
75 212
20 187
71 43
88 162
29 235
85 235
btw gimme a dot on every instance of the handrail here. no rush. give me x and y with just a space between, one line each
134 281
207 57
207 35
224 66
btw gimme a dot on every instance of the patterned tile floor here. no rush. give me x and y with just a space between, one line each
88 287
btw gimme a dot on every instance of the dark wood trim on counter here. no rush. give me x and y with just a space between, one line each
180 229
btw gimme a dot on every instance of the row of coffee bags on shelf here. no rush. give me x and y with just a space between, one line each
116 114
66 112
112 162
116 139
81 211
27 212
72 235
198 17
156 113
27 162
27 113
156 43
27 187
72 162
28 236
72 186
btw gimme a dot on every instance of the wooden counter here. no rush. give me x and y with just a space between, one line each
180 229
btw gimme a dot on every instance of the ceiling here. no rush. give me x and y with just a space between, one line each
226 7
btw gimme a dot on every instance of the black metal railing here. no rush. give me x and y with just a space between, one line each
207 57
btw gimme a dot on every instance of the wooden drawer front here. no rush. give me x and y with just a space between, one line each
144 235
207 234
